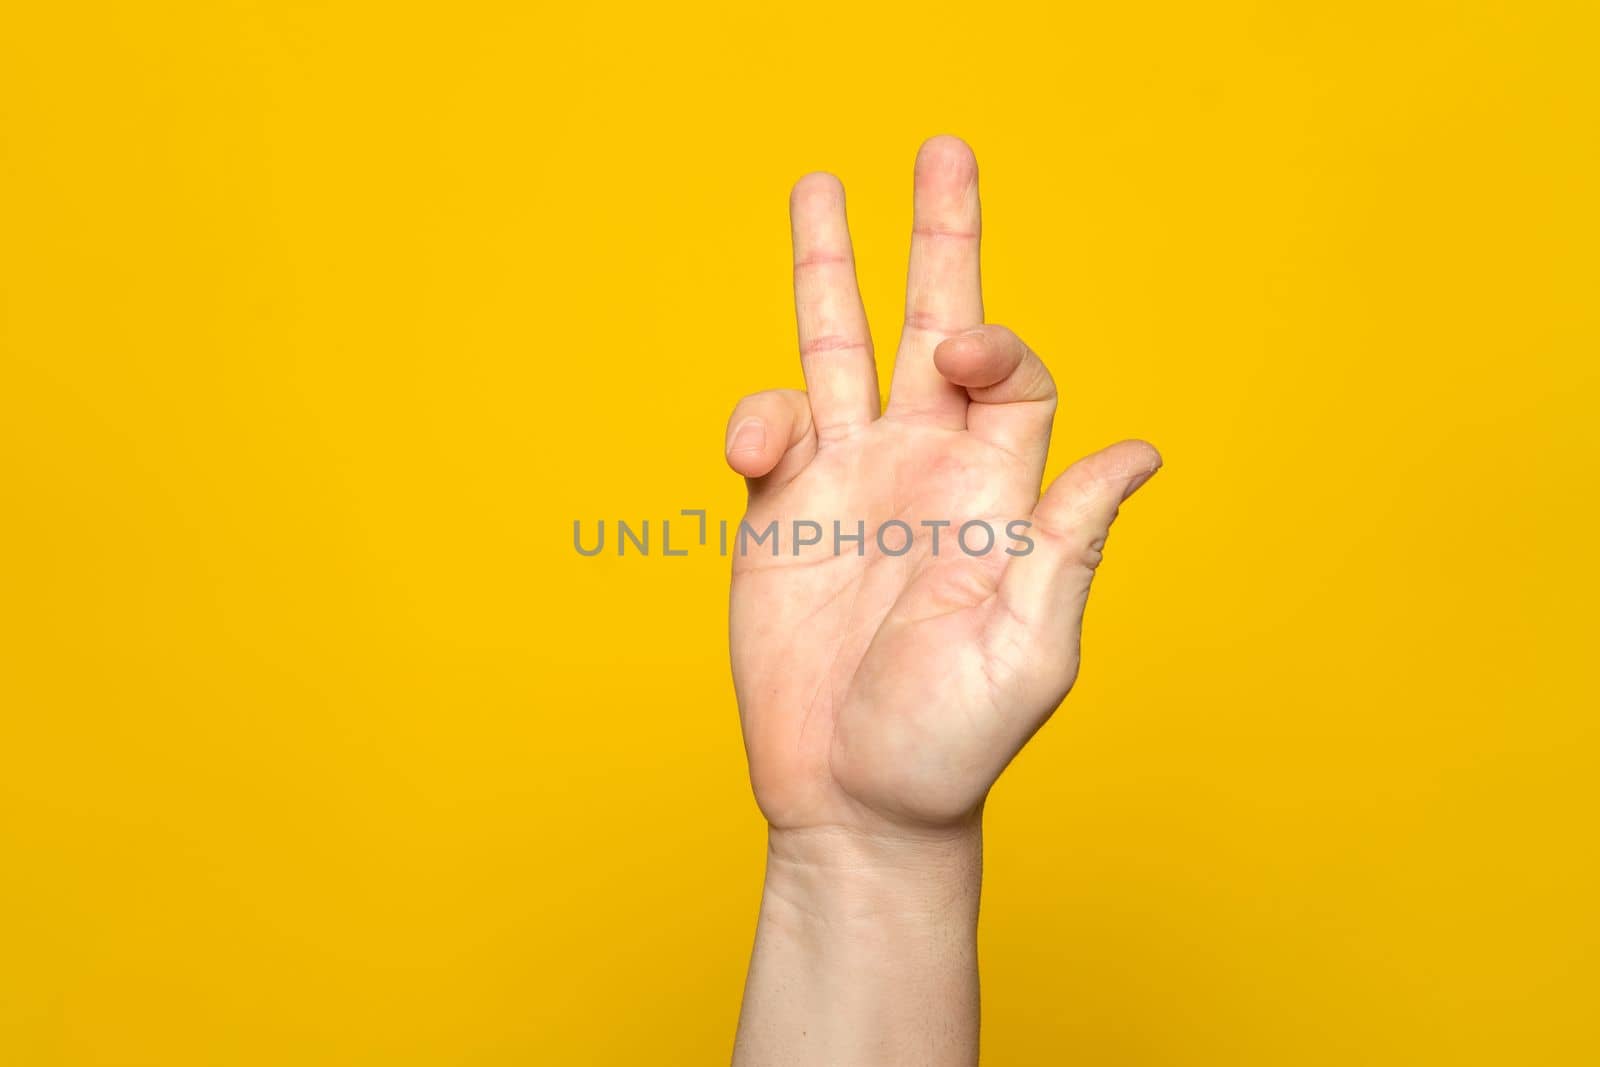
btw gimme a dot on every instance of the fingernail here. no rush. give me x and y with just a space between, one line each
749 436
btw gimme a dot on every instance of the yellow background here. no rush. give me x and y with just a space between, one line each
323 321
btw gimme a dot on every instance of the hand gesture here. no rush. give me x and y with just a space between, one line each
882 689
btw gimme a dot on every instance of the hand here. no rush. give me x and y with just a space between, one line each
882 693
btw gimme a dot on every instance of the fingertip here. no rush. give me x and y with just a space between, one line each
947 154
814 190
978 358
750 466
747 448
963 359
1139 461
1148 455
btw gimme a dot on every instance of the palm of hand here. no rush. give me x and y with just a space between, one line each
880 685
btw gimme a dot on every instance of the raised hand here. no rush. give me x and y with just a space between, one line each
885 692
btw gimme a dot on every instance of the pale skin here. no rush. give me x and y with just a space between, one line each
880 695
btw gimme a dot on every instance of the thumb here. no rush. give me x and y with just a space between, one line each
1048 588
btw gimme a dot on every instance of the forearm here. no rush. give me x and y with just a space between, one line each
866 950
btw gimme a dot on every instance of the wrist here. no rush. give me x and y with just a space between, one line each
866 950
852 882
